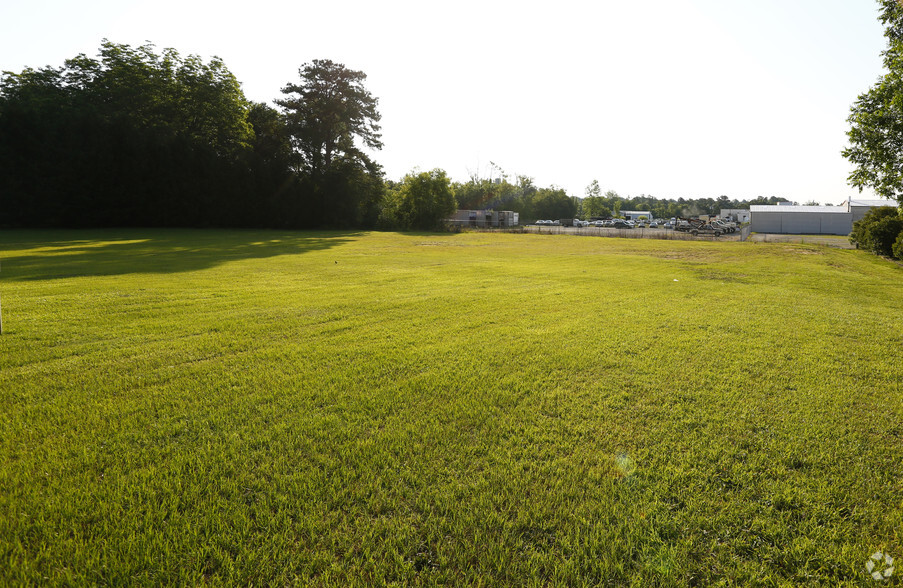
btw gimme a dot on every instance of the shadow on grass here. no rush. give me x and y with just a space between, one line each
66 254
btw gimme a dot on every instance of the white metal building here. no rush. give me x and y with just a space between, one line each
739 215
801 220
811 220
859 208
635 214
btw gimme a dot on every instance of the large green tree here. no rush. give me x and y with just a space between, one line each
331 118
876 120
328 112
129 137
422 201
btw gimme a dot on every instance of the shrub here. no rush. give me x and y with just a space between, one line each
898 247
878 230
425 200
883 234
389 214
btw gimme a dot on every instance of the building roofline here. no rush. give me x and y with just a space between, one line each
799 209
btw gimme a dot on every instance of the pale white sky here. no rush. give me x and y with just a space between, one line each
670 98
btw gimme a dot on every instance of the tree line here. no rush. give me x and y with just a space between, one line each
136 137
133 137
521 195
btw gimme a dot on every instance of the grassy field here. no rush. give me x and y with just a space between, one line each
267 408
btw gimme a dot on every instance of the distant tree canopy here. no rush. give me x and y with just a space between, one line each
595 205
535 203
553 203
681 207
522 197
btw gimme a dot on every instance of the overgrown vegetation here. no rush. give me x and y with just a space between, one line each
336 408
421 201
134 137
878 231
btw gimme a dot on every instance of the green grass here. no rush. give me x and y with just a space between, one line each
180 407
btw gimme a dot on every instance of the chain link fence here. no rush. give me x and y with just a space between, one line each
837 241
663 234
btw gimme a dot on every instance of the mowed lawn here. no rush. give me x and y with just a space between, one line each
333 409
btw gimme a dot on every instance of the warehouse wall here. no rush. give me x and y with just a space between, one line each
837 224
767 222
802 223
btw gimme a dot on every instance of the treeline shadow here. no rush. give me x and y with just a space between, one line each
47 255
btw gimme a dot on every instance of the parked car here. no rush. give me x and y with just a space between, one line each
653 225
621 224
